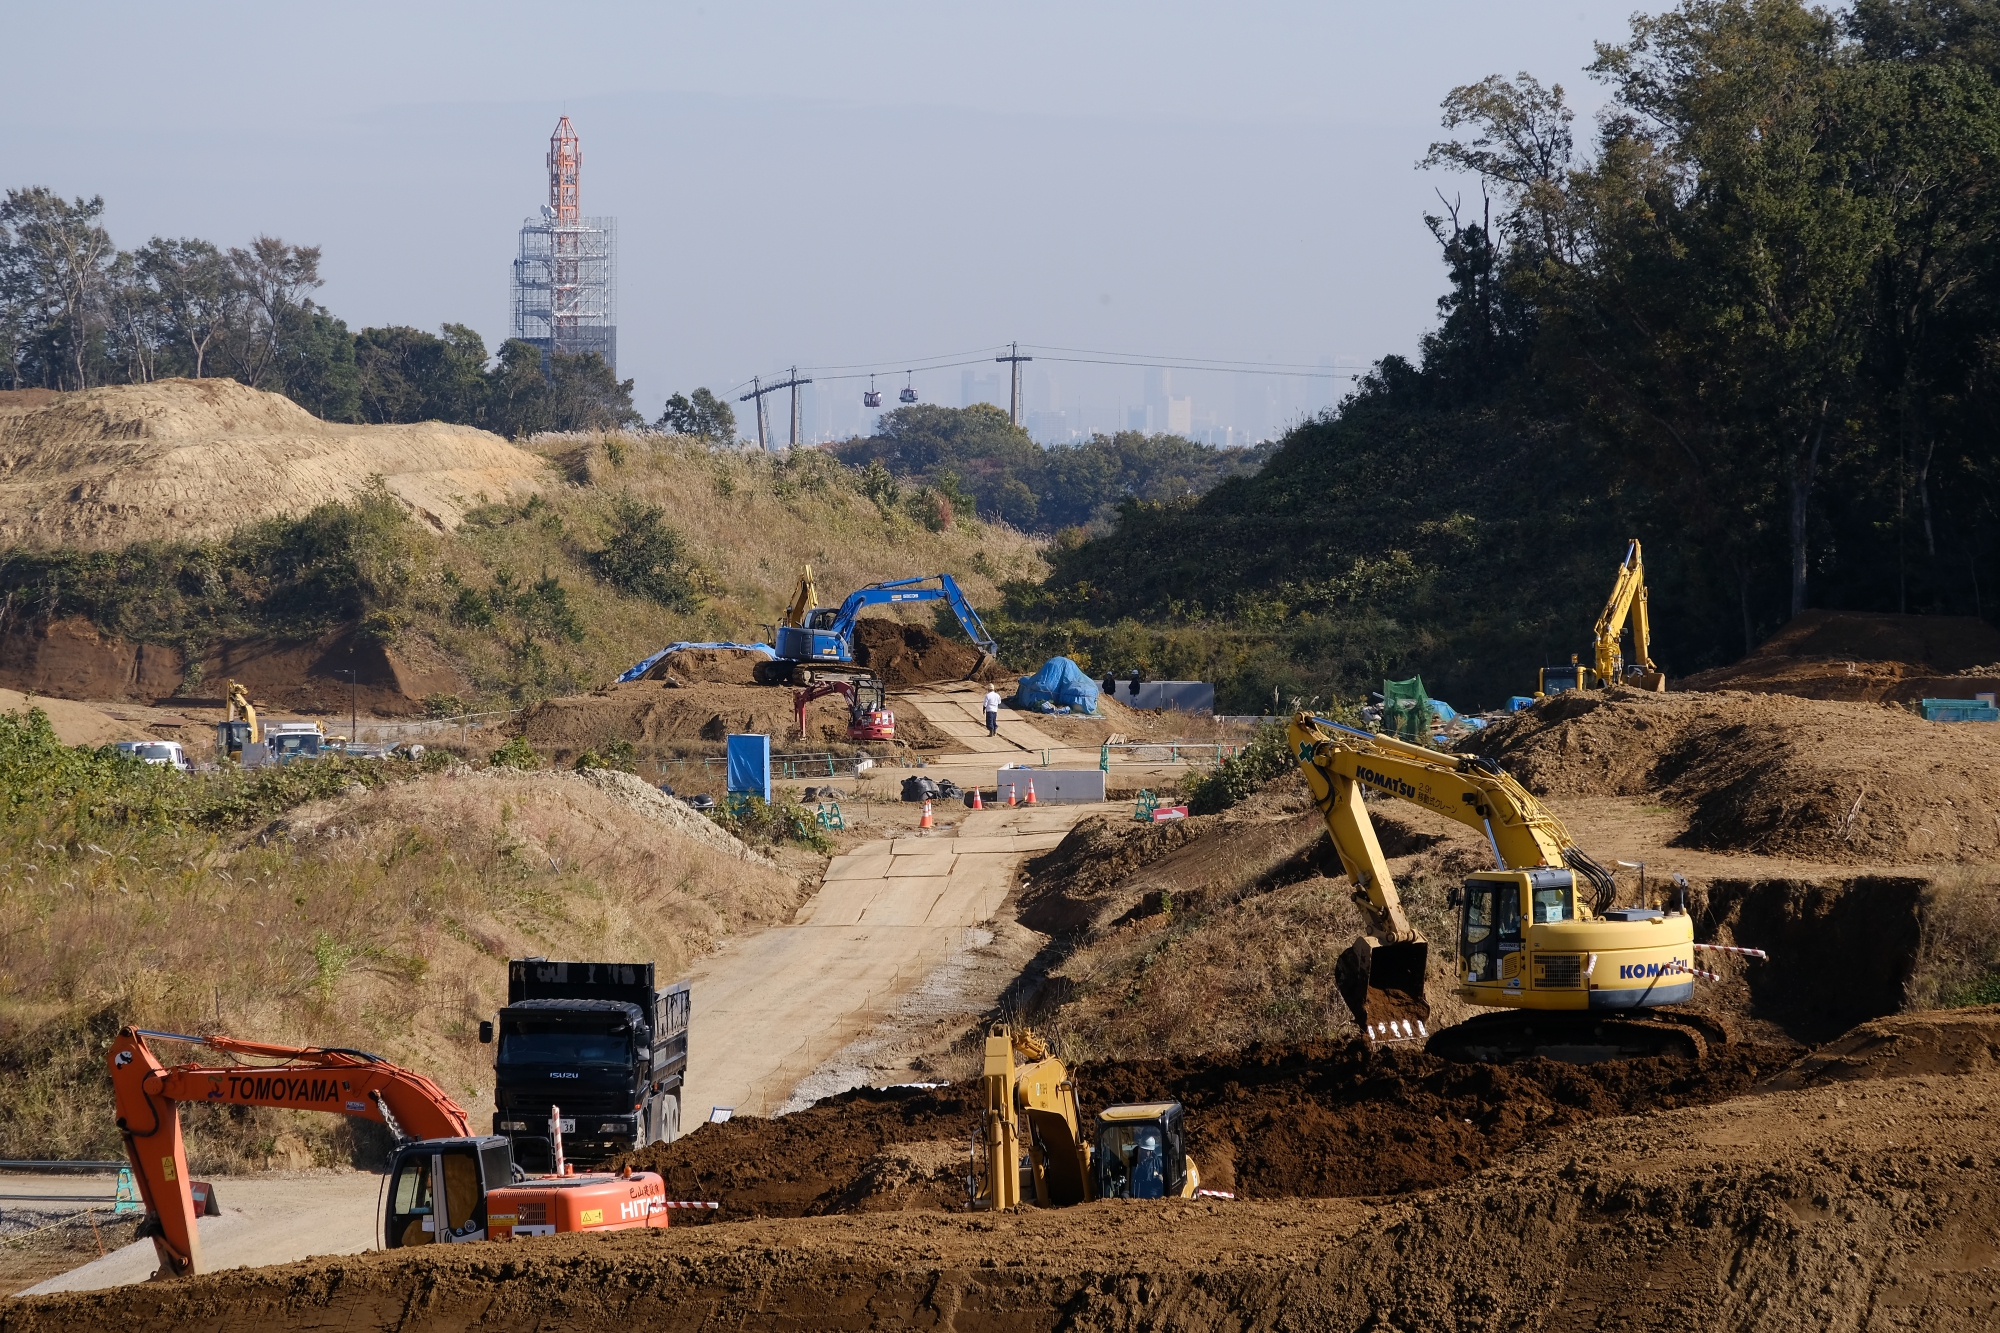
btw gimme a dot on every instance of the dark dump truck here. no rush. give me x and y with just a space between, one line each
600 1042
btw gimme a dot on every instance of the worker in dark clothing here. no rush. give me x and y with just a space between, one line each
1132 683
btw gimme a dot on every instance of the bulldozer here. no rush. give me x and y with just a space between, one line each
1608 666
1566 974
446 1185
1137 1153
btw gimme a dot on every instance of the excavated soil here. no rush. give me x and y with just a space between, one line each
713 666
1110 867
189 459
905 656
1864 1204
1864 657
1318 1121
72 659
661 719
1771 774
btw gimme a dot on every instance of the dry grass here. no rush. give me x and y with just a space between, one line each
379 920
750 521
1958 949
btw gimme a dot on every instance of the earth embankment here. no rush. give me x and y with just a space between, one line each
183 460
1769 774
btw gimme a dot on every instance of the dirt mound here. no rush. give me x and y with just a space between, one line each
661 720
903 656
1865 657
714 666
188 459
74 724
1767 773
1933 1042
1315 1121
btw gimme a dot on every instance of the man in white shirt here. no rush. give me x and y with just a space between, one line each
992 711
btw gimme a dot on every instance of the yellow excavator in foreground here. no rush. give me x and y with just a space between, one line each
1569 975
1627 601
1138 1154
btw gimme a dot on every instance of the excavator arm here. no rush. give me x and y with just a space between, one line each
345 1082
1382 975
802 600
909 590
1627 601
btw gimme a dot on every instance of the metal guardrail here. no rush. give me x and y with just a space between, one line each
788 766
1174 752
69 1164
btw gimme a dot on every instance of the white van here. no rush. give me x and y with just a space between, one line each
166 753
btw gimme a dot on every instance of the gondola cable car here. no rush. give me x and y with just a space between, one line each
870 397
909 393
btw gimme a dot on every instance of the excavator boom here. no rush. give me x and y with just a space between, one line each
1627 601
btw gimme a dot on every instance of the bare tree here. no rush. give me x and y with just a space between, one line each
274 278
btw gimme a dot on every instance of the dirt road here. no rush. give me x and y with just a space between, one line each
775 1004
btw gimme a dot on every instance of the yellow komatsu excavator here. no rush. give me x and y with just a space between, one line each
239 726
1138 1153
1569 975
1609 667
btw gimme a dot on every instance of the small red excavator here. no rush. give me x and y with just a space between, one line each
868 715
446 1184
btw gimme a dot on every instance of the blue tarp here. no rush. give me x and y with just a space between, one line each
1061 682
750 765
1445 712
642 668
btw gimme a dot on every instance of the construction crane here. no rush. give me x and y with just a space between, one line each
821 643
1574 977
757 391
446 1185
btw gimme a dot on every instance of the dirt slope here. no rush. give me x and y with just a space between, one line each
1866 657
1835 782
189 459
74 723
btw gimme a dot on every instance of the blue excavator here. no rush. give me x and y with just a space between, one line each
817 642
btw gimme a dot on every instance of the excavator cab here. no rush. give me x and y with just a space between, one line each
459 1172
1141 1154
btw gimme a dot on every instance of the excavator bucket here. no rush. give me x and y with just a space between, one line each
1383 983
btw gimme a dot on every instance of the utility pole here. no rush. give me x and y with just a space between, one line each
1014 398
757 391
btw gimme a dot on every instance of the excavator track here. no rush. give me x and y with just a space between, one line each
1579 1038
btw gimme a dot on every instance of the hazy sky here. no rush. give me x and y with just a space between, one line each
817 184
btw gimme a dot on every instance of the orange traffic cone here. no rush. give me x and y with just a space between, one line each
927 816
1010 795
977 804
1031 791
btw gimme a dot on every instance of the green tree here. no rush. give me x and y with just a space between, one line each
197 292
408 375
586 395
703 416
517 393
645 557
54 264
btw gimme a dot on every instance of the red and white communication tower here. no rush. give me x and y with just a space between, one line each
565 287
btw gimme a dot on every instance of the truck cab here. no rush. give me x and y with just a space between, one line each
596 1041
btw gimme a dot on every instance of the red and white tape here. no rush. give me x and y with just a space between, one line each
1213 1194
1725 948
678 1203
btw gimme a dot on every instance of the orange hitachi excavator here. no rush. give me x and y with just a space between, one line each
446 1184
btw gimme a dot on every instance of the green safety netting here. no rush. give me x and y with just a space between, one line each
1406 710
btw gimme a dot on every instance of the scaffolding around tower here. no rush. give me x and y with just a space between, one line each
565 288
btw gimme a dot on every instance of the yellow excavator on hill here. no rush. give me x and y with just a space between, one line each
1609 667
1138 1153
1539 942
